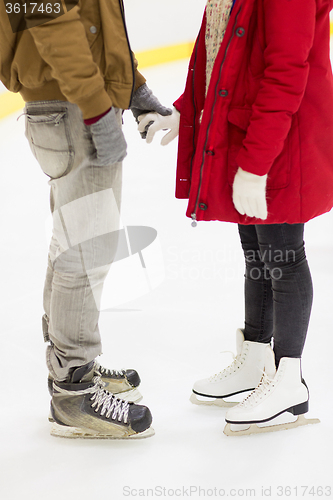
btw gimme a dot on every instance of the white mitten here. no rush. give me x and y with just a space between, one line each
153 122
249 194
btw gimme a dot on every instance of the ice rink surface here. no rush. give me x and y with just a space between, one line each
173 336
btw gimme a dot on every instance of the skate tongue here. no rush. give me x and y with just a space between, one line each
270 368
239 341
83 373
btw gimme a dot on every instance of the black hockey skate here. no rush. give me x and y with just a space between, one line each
83 408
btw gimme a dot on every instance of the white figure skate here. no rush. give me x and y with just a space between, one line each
278 392
242 375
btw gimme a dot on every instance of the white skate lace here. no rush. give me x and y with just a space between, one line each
265 385
106 371
104 401
236 363
108 404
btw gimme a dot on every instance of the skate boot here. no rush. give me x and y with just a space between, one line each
121 382
278 392
82 408
242 375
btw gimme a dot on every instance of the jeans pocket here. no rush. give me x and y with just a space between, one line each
50 141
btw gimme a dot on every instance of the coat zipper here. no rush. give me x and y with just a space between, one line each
193 102
122 10
194 222
194 214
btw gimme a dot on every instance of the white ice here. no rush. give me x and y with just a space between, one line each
172 336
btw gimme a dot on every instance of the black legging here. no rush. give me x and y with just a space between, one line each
278 287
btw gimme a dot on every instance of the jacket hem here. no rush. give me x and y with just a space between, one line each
50 91
90 106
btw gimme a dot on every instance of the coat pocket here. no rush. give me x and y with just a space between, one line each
279 173
50 141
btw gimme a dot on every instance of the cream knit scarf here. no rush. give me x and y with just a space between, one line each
217 14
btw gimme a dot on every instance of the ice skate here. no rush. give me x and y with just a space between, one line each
86 410
242 375
120 382
279 392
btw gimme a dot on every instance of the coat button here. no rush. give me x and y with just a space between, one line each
240 32
202 206
223 93
210 152
93 30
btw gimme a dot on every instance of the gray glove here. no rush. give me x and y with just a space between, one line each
108 140
144 101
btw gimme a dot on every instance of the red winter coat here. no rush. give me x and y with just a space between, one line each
269 110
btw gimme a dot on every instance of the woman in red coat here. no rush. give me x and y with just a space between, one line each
256 148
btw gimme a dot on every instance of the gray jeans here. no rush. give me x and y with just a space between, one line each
85 204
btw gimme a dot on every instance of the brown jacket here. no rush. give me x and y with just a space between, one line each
83 57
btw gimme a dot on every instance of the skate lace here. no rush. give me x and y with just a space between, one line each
264 386
235 365
104 401
106 371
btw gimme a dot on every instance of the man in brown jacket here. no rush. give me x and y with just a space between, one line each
76 72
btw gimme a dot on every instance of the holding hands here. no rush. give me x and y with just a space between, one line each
144 102
248 191
153 122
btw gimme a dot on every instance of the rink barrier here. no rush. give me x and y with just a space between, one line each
10 102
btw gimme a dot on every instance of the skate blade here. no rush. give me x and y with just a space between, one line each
77 433
212 402
246 430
